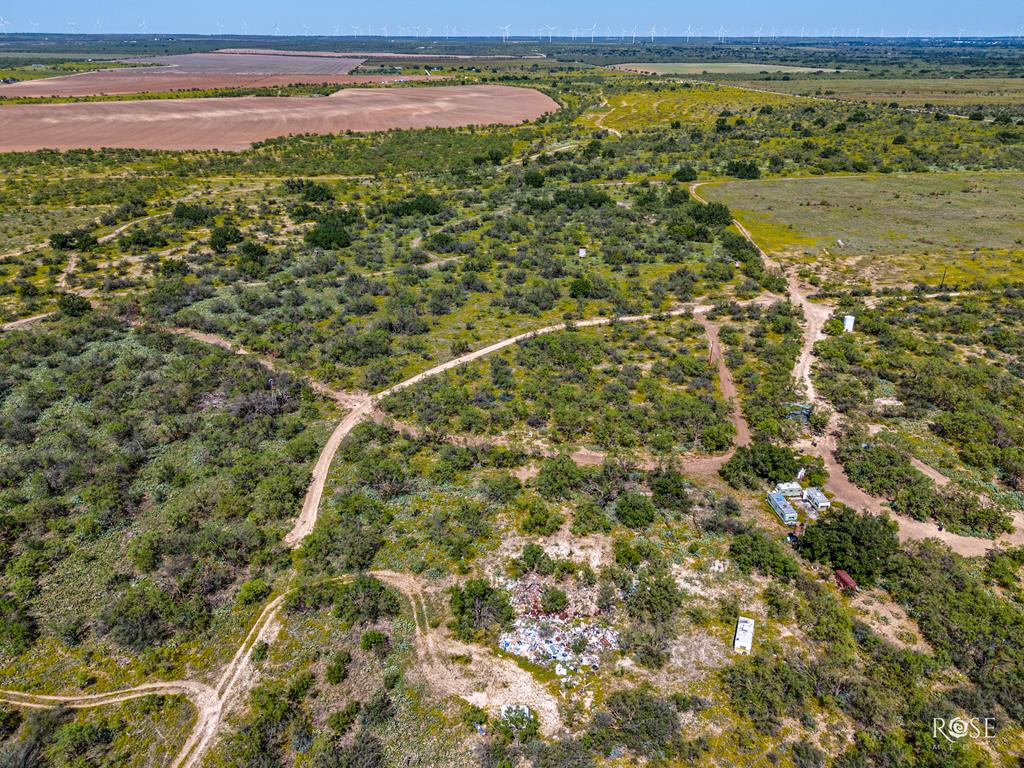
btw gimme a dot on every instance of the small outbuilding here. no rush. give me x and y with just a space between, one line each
781 506
743 640
816 500
845 582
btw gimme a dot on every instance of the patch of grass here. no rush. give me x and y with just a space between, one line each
890 229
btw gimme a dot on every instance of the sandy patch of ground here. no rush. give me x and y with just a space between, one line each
890 621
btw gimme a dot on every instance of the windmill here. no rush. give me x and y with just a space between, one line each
721 33
689 30
305 30
758 33
3 25
574 31
550 29
142 26
34 25
634 35
593 32
277 29
504 32
72 24
654 31
385 28
220 27
356 30
99 26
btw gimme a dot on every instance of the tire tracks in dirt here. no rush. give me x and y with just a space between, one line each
839 483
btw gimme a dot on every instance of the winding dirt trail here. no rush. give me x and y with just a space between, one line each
502 681
839 483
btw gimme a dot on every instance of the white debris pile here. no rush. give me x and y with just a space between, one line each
569 646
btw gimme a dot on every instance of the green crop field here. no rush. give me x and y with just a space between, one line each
890 229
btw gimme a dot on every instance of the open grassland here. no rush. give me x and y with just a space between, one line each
944 92
700 103
890 229
711 67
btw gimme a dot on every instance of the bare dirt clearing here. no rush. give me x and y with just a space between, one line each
256 63
163 79
235 123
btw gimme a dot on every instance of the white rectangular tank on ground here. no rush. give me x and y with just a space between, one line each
848 323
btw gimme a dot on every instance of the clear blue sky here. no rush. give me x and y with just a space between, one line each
526 17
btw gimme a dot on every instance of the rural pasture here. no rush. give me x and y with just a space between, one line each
889 229
702 103
918 92
231 124
713 68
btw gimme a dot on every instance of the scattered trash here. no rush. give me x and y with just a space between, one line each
570 646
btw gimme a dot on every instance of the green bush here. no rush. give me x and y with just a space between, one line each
553 600
478 610
337 669
374 640
635 510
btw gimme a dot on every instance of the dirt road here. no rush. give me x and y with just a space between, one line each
839 483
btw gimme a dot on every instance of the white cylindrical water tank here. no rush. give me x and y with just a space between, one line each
847 323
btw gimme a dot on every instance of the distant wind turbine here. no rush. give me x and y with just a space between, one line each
504 32
3 25
654 31
593 32
721 33
550 29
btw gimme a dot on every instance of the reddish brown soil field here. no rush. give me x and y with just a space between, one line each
160 79
255 63
373 55
234 123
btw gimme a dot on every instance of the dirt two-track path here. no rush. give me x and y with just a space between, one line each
816 314
492 679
